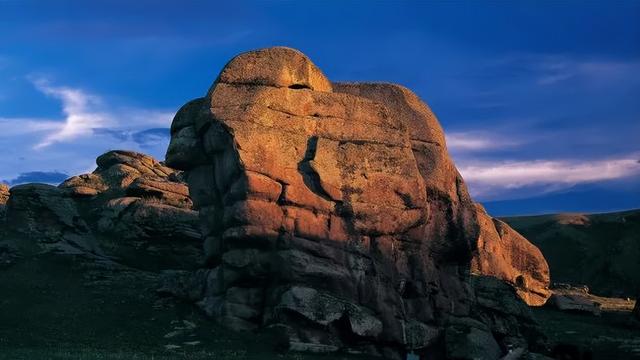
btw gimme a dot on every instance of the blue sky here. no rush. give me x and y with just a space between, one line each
539 99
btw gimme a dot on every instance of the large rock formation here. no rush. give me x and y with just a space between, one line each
333 214
131 209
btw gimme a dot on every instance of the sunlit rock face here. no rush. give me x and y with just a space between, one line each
332 212
4 196
503 253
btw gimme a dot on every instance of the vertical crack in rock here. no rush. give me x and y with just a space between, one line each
309 174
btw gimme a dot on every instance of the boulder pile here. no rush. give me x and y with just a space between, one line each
332 214
132 208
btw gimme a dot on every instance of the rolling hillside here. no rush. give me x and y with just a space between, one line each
598 250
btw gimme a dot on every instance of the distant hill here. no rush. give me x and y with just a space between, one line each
599 250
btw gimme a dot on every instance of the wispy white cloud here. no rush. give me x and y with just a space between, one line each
479 140
85 114
89 126
552 69
486 178
80 114
22 126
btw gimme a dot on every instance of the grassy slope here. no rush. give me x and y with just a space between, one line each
601 250
612 336
56 307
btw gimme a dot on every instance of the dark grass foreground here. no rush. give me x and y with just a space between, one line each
54 308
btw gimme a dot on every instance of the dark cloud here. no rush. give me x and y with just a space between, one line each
151 137
47 177
144 138
117 134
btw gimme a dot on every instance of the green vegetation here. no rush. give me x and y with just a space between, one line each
614 335
58 307
600 250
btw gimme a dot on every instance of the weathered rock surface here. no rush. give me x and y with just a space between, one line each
44 214
4 193
4 196
507 255
132 208
333 213
116 172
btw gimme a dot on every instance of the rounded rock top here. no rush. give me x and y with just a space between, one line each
276 66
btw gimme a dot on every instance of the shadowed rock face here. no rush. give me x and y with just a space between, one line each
636 309
131 209
333 213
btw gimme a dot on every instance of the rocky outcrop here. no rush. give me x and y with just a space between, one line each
43 214
117 171
333 214
4 196
4 193
503 253
132 208
500 313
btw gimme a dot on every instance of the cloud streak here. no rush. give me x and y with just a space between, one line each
77 106
85 115
88 127
487 179
466 141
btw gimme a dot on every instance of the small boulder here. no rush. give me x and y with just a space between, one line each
574 302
